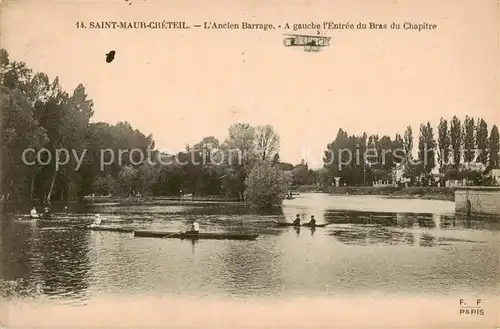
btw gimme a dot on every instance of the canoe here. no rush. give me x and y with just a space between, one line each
109 229
41 216
180 235
305 224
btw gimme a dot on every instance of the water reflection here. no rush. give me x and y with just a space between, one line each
52 259
408 220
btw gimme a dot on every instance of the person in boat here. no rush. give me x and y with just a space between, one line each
97 221
195 227
312 222
46 213
296 222
33 213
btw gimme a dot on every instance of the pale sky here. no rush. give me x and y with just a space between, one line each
183 85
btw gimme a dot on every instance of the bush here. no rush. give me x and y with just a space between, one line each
266 185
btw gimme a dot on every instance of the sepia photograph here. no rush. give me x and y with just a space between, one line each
251 164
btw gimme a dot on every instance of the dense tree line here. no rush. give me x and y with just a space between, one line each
360 160
37 114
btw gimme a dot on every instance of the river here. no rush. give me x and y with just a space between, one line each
374 247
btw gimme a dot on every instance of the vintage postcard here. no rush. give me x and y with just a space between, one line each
252 164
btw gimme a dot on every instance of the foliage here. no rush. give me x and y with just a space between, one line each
494 146
379 162
469 139
444 144
268 142
482 141
105 185
266 185
408 141
456 141
426 148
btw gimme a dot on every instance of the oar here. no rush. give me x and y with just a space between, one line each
169 235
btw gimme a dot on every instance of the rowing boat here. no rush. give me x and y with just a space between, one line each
183 235
108 229
305 224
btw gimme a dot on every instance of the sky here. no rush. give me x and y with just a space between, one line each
183 85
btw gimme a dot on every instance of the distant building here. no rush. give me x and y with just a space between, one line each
439 178
398 175
473 166
382 183
495 176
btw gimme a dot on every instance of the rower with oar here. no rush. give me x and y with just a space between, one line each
46 213
195 229
97 221
33 213
312 222
296 222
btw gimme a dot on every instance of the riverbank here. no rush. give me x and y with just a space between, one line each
156 199
428 193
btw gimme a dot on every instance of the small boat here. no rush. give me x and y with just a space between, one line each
44 216
305 224
183 235
108 229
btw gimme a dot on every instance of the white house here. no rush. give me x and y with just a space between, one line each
473 166
495 175
398 174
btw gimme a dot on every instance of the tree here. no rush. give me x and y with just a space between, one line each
241 143
456 140
413 170
313 177
56 120
408 141
300 174
494 148
266 185
104 185
207 148
482 141
386 153
345 157
129 178
18 178
426 148
444 144
268 142
240 154
469 141
398 155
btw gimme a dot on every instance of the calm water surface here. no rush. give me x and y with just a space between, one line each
372 247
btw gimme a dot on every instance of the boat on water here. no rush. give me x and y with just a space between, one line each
109 229
303 225
173 235
184 235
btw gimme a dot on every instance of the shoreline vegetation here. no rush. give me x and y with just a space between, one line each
392 192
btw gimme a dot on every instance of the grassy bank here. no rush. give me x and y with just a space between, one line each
434 193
